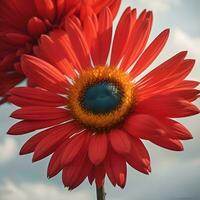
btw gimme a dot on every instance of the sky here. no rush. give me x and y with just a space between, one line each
175 175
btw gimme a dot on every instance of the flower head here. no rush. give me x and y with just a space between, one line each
22 22
94 112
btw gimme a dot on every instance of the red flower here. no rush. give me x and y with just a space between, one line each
23 21
95 114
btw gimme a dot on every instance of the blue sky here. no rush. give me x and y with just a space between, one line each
175 175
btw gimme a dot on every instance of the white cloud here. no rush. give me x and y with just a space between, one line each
32 191
160 6
172 180
183 40
8 149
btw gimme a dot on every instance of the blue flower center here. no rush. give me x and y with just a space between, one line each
101 98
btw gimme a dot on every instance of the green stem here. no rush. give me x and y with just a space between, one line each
101 195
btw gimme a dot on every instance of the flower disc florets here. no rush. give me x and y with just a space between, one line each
101 98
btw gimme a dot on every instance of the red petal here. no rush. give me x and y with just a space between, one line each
63 43
7 62
99 173
168 143
51 142
36 27
167 106
56 56
75 173
98 5
55 166
40 113
150 53
114 7
119 169
79 43
12 15
91 176
176 130
27 126
143 126
138 39
97 149
120 141
122 35
90 31
85 10
46 9
188 84
175 76
162 70
109 170
31 144
44 74
85 170
8 81
17 38
73 148
139 158
186 94
78 170
60 6
183 70
28 96
171 80
104 36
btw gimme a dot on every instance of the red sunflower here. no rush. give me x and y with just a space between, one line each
23 21
94 115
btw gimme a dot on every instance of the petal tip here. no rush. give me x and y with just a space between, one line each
167 31
10 131
21 153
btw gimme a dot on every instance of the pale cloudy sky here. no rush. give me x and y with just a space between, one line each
175 175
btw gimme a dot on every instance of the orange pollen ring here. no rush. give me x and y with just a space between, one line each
88 78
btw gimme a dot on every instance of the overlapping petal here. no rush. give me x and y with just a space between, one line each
23 22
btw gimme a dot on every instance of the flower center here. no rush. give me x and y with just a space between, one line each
101 98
